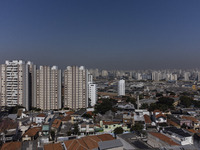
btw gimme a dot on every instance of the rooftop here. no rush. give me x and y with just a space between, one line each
56 123
41 115
147 119
53 146
88 142
32 131
12 146
177 131
163 138
110 144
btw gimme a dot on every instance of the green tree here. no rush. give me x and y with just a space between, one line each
186 101
137 127
13 110
104 106
76 129
52 135
118 130
87 116
144 106
166 101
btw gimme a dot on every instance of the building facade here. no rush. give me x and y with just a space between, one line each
15 83
121 87
76 87
47 93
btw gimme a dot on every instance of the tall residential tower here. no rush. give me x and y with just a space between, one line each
121 87
48 88
15 83
76 87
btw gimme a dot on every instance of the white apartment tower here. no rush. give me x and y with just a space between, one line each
15 83
92 91
186 76
76 87
156 76
121 87
47 88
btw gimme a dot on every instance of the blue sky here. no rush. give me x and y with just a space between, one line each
105 34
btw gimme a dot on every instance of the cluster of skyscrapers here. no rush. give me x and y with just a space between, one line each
22 83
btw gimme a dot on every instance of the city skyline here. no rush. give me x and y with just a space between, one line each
125 35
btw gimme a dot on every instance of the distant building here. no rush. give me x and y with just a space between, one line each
156 76
15 83
186 76
121 87
76 87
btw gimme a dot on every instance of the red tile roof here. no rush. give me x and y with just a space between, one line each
69 112
170 122
161 115
163 138
88 142
53 146
7 124
32 131
41 115
110 122
56 123
147 119
12 146
193 119
66 118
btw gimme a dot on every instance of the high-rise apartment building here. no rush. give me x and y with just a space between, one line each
47 93
92 91
15 83
186 76
156 76
121 87
75 87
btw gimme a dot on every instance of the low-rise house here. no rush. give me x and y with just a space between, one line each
109 126
195 122
11 135
159 117
128 118
12 146
40 118
31 134
56 125
139 115
148 122
132 141
86 128
172 123
65 119
181 121
77 116
88 142
182 137
85 143
157 140
21 113
125 106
